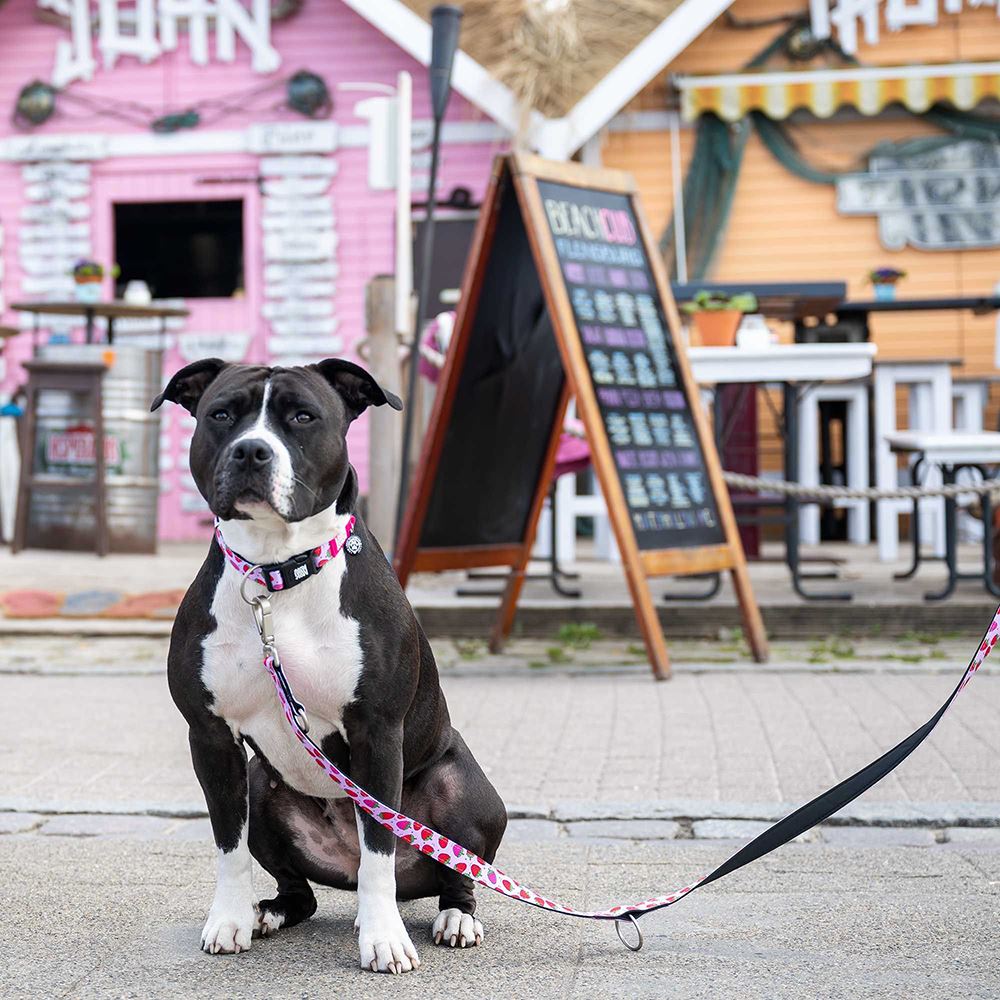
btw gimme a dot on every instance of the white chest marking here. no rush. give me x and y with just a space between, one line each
320 650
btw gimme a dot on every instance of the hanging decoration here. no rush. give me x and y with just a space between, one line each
305 93
309 95
35 104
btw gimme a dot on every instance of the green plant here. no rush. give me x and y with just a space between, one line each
704 301
885 275
469 649
578 635
557 654
92 270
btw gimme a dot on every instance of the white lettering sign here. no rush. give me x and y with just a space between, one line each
845 16
946 199
154 29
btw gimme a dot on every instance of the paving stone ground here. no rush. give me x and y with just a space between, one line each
618 787
571 741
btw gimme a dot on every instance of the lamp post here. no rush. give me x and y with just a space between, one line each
445 20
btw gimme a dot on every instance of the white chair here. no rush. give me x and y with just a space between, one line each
855 395
930 409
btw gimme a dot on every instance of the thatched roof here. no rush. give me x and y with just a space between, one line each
550 53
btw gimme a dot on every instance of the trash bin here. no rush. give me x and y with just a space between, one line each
65 519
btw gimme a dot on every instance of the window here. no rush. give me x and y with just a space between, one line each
181 249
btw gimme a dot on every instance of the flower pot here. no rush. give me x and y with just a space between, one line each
718 328
885 292
88 291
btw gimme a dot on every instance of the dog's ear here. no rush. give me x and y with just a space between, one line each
189 384
356 387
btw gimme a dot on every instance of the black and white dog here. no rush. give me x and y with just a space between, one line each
269 455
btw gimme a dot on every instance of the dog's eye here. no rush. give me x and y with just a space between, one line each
220 415
302 417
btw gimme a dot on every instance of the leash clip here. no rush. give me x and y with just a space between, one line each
262 617
635 923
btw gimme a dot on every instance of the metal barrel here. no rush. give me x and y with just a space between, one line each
64 518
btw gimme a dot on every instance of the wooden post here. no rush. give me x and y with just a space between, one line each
385 427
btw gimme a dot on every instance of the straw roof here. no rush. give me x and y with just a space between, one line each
550 53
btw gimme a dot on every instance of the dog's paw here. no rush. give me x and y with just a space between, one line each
455 928
229 928
267 921
385 945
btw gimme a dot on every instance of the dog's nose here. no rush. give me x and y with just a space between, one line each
253 454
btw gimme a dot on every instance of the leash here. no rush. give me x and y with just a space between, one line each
459 859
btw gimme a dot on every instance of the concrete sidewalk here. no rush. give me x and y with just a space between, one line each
107 919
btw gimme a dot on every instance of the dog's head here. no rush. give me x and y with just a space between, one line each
272 439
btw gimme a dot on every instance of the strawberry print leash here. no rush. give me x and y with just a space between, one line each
453 855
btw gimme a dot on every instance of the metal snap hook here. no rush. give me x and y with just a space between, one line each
635 924
261 608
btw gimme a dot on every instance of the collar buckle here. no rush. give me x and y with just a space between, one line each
296 569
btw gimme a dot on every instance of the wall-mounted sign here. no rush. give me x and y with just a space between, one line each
293 137
847 15
945 199
152 27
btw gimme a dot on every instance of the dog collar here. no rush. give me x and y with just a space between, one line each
291 572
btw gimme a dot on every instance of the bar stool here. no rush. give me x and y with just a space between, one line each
930 408
853 396
80 379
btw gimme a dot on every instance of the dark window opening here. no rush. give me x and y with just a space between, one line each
181 249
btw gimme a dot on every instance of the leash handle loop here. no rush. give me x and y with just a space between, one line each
638 930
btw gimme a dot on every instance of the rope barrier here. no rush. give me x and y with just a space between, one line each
829 494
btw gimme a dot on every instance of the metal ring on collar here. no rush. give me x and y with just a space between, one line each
243 584
618 930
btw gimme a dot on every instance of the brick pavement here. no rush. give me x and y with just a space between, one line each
731 743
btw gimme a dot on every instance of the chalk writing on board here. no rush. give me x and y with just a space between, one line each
632 363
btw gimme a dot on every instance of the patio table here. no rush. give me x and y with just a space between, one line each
952 451
795 367
110 310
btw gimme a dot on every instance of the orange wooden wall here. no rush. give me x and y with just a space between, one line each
783 228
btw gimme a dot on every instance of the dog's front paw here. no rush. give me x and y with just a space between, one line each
229 927
385 945
455 928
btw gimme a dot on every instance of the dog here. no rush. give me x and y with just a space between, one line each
269 455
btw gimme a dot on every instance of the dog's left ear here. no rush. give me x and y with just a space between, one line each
356 386
189 384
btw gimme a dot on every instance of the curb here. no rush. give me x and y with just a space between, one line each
684 811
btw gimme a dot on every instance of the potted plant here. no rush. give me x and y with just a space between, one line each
885 279
717 316
88 275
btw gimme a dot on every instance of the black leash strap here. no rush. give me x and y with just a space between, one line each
825 805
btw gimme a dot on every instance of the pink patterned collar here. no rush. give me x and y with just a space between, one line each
293 571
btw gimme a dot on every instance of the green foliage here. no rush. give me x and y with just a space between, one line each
705 301
470 649
579 635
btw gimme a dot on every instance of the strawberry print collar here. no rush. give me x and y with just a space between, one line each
297 569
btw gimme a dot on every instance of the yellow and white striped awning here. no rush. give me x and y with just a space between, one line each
825 91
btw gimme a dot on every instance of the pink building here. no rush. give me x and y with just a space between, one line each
265 222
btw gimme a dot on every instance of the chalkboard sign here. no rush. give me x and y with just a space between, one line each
632 365
563 296
504 404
